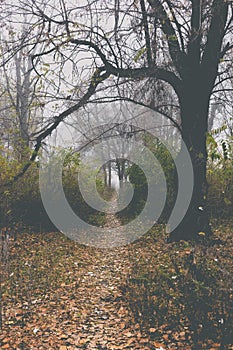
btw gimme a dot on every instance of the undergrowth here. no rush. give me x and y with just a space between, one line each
182 293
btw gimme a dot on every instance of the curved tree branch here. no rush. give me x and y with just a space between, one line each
135 73
98 77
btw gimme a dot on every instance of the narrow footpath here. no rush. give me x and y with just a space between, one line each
108 324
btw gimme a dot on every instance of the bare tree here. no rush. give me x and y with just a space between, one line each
184 45
21 108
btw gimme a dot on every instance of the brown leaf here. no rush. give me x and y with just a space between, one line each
128 334
165 337
129 342
158 345
64 336
152 330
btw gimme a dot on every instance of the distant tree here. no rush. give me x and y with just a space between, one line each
21 109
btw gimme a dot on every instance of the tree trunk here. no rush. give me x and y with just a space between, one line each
194 117
22 104
105 175
109 174
120 163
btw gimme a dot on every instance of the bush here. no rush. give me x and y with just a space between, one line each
138 179
21 202
220 178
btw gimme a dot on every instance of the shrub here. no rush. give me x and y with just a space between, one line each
138 179
220 177
21 202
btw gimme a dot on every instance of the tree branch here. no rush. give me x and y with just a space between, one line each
177 55
178 25
227 48
210 58
195 37
98 77
134 73
147 34
155 109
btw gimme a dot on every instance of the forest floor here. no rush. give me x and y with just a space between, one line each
58 294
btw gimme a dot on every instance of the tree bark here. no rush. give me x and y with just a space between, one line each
194 103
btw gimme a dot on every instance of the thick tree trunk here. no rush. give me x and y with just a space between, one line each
194 116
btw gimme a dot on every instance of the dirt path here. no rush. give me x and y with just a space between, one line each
108 324
60 295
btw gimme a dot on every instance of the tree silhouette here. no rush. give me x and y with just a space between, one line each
185 45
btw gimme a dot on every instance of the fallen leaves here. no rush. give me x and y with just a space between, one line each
60 295
68 304
158 346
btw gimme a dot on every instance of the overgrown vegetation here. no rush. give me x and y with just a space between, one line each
139 181
181 294
21 203
219 176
